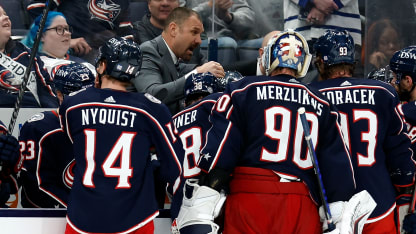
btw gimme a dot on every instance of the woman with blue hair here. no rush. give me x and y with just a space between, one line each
54 43
14 59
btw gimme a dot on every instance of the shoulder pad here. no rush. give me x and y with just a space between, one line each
152 98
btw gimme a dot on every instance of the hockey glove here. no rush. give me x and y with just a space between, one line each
409 223
350 217
198 212
10 160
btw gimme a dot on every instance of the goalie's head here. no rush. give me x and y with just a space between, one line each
289 49
335 47
72 77
123 58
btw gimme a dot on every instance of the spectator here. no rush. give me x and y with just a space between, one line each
47 174
152 24
233 21
159 76
233 18
313 18
54 45
94 22
16 57
383 39
113 183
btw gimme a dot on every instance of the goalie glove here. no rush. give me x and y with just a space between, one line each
198 212
350 217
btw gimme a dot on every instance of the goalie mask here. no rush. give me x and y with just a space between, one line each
123 57
335 47
73 77
403 63
288 49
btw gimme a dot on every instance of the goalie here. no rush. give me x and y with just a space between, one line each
255 150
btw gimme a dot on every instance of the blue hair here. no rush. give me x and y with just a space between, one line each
29 39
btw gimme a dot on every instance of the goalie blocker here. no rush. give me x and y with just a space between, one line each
202 203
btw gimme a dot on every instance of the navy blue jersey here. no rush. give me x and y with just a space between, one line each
10 85
192 125
376 137
256 124
46 177
112 133
408 111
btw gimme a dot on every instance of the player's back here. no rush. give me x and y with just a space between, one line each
112 132
48 154
192 124
265 132
373 129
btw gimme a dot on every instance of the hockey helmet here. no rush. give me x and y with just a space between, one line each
123 57
230 76
382 74
72 77
288 49
403 63
335 47
200 83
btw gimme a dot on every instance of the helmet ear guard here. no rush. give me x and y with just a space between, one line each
288 49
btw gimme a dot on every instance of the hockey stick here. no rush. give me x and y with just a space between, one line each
312 154
29 68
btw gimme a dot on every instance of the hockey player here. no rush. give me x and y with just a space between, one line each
403 66
47 173
372 126
10 165
112 131
257 137
201 93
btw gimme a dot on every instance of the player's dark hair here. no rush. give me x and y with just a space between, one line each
329 70
180 15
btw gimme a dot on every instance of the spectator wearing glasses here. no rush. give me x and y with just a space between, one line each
16 56
55 42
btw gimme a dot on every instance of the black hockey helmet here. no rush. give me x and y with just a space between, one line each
123 57
72 77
